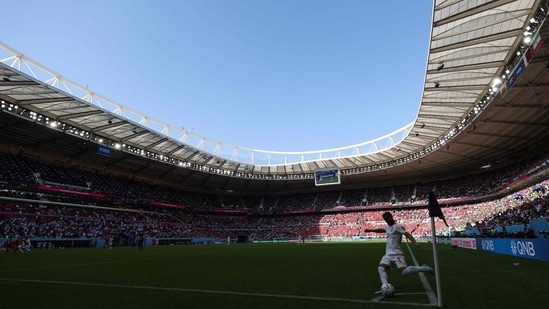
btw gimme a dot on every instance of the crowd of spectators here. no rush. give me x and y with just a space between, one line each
125 207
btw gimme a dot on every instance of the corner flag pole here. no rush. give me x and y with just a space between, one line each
435 257
435 211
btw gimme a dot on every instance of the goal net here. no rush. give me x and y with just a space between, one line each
317 238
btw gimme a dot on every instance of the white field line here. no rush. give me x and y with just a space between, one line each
331 299
430 293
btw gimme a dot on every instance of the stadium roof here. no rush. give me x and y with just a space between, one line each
484 105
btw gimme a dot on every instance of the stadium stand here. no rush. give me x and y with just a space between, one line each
84 205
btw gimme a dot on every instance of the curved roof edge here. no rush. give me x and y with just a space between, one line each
471 47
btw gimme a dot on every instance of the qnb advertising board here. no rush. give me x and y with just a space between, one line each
535 249
327 177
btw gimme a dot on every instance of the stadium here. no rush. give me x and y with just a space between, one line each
231 227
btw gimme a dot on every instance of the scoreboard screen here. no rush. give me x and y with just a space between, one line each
327 177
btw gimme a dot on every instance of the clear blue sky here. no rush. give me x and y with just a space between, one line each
282 75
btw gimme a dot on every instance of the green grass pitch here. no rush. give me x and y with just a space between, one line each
268 275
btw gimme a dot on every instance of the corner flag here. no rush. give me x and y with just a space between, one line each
434 208
435 211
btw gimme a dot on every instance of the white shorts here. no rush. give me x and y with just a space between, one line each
394 259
